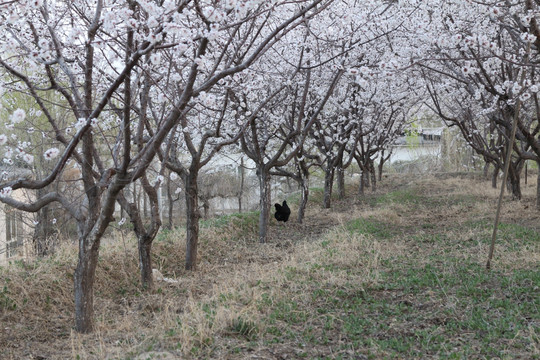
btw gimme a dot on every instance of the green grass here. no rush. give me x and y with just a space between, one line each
241 220
513 235
430 302
405 196
376 228
449 311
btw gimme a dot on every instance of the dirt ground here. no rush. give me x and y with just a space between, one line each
237 274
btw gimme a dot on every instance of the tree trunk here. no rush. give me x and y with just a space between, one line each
494 177
84 284
381 164
145 204
170 203
145 235
486 170
242 183
515 186
145 261
192 220
340 179
328 183
264 204
538 187
304 184
366 177
361 186
373 176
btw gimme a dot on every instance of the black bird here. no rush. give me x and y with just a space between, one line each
282 212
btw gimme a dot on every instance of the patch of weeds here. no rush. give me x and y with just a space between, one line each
210 312
378 229
246 328
290 312
514 235
316 194
407 196
519 234
244 223
6 302
164 235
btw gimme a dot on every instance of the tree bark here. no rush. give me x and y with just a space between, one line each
538 187
340 179
515 184
192 221
145 261
303 200
304 186
145 235
494 177
328 184
264 204
170 203
84 284
242 184
206 208
373 176
486 170
361 187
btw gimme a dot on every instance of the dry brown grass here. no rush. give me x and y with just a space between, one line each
221 310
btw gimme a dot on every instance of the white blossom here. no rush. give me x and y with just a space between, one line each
80 123
6 192
525 96
18 116
51 153
528 37
28 158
